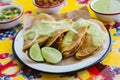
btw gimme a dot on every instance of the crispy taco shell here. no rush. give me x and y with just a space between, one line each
86 48
40 41
55 36
67 50
43 16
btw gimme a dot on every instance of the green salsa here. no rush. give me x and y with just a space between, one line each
9 14
107 6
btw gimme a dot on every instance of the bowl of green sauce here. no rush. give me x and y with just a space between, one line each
10 16
106 10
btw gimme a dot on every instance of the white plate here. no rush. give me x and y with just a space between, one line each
78 65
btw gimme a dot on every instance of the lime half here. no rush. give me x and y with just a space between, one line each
35 53
51 55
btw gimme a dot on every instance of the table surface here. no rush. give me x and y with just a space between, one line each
11 69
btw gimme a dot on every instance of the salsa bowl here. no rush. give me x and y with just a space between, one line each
106 11
10 16
50 8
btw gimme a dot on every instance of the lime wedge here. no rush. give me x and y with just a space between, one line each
35 53
51 55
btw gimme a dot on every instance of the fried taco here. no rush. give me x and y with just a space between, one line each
70 45
34 35
93 41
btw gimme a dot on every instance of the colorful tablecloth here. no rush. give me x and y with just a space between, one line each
11 69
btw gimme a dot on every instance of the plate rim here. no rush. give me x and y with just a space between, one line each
99 60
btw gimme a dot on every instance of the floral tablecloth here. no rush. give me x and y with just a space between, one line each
11 69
